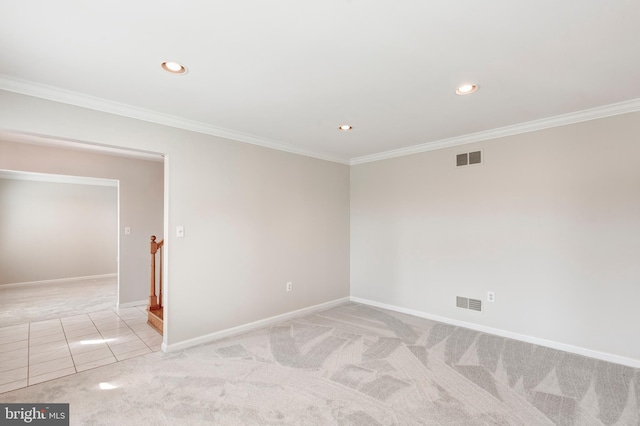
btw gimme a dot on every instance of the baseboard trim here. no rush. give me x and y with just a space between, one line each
59 280
603 356
251 326
132 304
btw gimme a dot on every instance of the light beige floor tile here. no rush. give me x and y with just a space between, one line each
124 338
120 331
96 363
13 375
95 336
137 321
51 375
79 332
14 329
13 337
156 348
127 347
103 328
78 348
48 356
85 357
148 333
77 323
44 325
142 328
47 347
75 318
12 364
50 366
13 385
132 354
16 353
21 344
153 341
57 337
43 333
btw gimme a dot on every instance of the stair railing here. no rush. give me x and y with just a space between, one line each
155 302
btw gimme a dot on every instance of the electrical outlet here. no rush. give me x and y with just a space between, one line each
491 296
127 230
289 286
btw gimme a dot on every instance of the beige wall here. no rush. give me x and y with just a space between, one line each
53 230
140 200
550 222
254 218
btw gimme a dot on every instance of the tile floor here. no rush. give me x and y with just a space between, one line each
40 351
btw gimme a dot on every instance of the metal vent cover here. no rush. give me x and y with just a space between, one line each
462 302
475 157
462 159
475 305
467 303
469 158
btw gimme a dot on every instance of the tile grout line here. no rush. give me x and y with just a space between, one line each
103 338
28 352
73 361
134 332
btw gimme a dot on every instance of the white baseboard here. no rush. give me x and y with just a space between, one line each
60 280
630 362
132 304
250 326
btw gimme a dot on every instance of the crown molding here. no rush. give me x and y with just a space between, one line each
74 98
530 126
53 178
51 93
34 139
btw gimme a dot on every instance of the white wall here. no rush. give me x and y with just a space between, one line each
54 230
550 222
140 200
254 218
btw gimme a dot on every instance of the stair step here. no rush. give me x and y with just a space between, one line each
155 318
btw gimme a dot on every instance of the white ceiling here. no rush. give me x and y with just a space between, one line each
287 73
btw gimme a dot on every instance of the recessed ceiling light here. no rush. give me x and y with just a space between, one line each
466 89
174 67
345 127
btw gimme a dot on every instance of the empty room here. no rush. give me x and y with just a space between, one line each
369 213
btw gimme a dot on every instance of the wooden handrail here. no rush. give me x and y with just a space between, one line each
155 301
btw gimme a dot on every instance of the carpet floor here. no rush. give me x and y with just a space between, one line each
351 365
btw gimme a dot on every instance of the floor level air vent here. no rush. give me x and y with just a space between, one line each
475 305
466 303
462 302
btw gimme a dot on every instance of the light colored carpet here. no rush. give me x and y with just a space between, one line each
29 303
352 365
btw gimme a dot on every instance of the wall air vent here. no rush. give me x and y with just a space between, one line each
469 158
462 302
475 305
466 303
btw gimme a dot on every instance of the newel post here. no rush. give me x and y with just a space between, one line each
153 299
